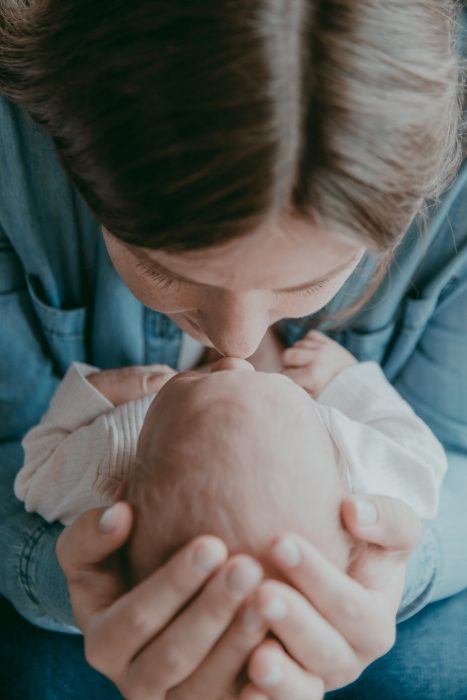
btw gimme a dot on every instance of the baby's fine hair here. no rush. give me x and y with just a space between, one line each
227 472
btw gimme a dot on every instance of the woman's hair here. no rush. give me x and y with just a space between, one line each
187 124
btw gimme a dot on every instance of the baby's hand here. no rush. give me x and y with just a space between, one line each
315 360
130 383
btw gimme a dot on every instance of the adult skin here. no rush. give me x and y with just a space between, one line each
333 624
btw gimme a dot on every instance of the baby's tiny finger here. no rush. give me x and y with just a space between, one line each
317 336
297 357
153 382
160 368
304 377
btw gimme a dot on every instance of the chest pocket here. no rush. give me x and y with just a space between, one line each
11 272
64 330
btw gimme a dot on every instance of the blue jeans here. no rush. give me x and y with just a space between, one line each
428 661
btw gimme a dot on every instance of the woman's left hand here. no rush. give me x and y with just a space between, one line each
332 624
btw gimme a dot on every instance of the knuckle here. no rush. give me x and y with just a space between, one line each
218 609
324 657
350 609
175 662
178 581
137 621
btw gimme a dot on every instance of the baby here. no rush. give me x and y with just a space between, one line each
242 454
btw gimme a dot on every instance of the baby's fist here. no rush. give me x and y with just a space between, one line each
130 383
315 360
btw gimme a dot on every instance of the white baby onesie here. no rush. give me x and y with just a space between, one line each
84 447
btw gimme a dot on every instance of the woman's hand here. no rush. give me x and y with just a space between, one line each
130 383
333 625
147 640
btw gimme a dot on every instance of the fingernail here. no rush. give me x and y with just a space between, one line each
288 552
276 609
207 556
109 519
242 578
273 677
251 621
366 511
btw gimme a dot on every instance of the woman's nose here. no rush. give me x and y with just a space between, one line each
231 363
235 325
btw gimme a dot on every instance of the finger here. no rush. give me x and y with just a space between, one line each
297 357
363 617
124 628
307 343
137 382
84 551
382 520
187 641
223 665
250 692
275 673
166 369
318 337
303 376
308 637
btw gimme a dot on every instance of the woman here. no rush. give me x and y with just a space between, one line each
234 165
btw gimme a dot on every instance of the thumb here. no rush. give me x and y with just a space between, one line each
87 551
382 520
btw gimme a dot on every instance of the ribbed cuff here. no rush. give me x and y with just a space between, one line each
76 402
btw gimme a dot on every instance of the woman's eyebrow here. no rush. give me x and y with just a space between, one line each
158 267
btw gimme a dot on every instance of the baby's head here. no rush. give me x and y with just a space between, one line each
239 454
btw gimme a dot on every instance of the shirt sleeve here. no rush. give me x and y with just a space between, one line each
386 447
81 452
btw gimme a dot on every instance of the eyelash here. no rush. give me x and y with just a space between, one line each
159 277
312 290
166 282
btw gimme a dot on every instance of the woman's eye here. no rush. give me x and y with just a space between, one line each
312 290
163 281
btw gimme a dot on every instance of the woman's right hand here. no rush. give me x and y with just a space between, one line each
147 640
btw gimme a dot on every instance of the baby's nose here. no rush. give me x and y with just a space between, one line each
231 363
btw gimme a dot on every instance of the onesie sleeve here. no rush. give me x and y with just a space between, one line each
386 447
81 452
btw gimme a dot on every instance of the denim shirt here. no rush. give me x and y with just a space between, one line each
62 301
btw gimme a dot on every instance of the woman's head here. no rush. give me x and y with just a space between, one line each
187 124
192 127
